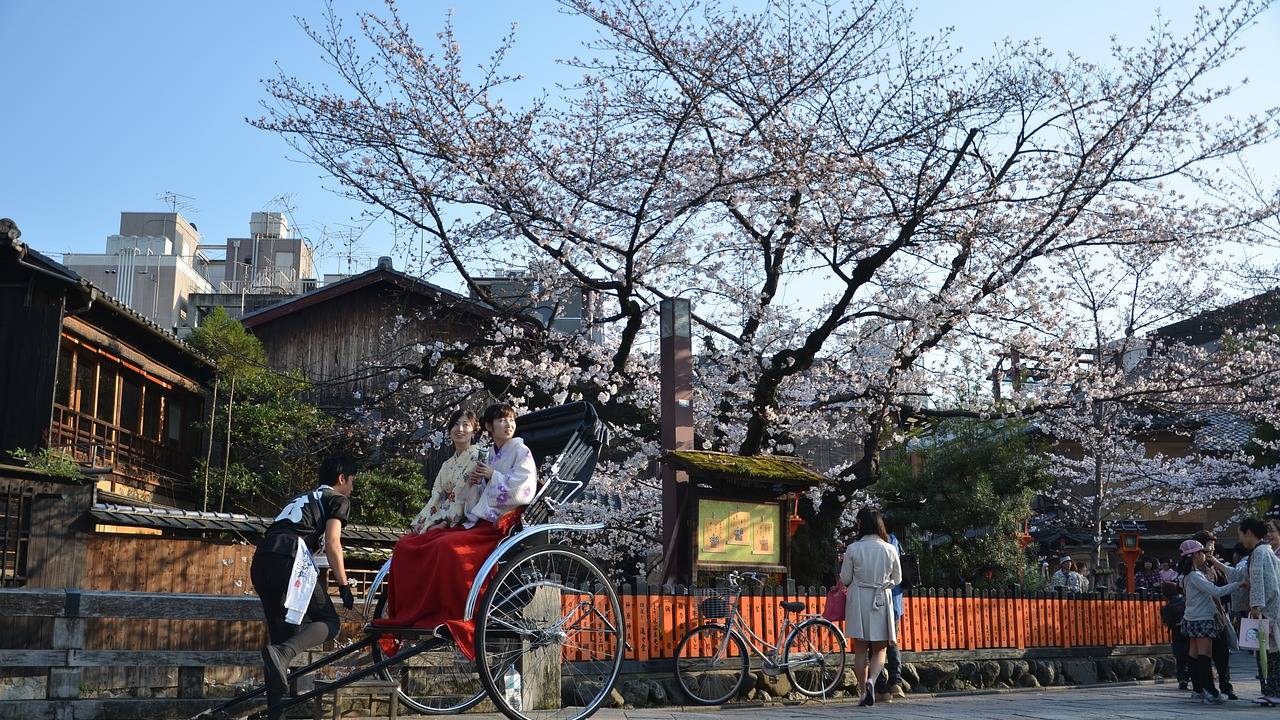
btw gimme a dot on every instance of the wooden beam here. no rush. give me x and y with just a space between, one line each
169 606
80 331
33 603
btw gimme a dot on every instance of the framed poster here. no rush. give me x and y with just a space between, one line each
741 533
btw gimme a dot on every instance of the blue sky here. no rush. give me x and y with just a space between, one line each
109 104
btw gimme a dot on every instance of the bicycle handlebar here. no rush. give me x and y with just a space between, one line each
736 576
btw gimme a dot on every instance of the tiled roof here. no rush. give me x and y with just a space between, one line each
198 520
380 274
1224 433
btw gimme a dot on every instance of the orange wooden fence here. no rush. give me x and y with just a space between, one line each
934 619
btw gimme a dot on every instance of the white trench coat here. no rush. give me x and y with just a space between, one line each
870 569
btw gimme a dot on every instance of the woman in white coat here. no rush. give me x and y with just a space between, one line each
870 568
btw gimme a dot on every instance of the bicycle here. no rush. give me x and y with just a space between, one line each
812 655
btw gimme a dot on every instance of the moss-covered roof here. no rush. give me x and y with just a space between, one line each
750 468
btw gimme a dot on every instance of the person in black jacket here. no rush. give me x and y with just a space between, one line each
1171 616
310 521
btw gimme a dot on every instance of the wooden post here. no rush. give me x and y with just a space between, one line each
68 634
540 669
191 682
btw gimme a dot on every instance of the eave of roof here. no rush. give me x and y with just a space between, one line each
1249 312
92 293
355 282
778 469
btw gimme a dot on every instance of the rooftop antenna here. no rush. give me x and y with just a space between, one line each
178 202
284 201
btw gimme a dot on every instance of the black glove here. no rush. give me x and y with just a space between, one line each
348 600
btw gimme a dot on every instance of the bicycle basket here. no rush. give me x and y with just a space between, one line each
715 607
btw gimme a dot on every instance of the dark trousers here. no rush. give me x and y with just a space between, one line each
1222 661
1181 656
270 575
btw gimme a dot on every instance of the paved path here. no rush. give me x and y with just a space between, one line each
1140 701
1146 701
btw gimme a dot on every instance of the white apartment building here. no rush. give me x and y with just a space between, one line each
152 265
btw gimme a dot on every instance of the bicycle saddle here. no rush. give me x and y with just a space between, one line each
792 606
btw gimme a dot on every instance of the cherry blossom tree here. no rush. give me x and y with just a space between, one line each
1135 384
862 219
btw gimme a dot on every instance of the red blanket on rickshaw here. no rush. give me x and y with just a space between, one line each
431 575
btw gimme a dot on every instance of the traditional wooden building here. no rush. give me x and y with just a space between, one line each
84 374
349 337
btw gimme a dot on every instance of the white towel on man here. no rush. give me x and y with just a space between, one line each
302 582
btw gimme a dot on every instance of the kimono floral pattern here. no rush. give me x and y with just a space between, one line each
452 495
514 482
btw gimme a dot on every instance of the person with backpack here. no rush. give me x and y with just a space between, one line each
298 611
1171 615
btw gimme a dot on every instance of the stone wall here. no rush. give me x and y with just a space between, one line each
922 675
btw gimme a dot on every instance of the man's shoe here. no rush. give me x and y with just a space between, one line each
1183 686
276 672
1230 695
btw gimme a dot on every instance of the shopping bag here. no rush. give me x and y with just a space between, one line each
833 610
1254 635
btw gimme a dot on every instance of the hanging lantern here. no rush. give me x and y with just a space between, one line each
795 521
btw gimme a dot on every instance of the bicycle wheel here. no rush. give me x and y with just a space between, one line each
436 682
550 635
712 665
814 657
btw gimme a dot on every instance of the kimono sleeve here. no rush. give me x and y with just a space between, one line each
509 488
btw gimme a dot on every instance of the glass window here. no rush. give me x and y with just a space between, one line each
107 393
130 402
151 414
62 387
86 381
174 411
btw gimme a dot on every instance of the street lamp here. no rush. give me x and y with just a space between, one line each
1128 534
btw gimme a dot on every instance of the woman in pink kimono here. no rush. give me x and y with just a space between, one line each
870 569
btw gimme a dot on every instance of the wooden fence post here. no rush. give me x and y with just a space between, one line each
540 668
68 634
191 682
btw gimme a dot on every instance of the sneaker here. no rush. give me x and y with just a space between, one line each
276 671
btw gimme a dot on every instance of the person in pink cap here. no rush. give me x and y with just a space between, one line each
1200 619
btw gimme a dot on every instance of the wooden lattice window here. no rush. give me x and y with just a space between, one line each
15 532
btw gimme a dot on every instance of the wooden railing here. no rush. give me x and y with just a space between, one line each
66 656
97 442
934 620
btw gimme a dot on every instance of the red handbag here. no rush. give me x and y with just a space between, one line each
833 610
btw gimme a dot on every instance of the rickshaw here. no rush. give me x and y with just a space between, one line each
550 635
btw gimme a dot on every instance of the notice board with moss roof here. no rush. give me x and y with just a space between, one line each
738 507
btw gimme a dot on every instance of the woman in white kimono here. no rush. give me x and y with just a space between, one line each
870 569
432 572
509 474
